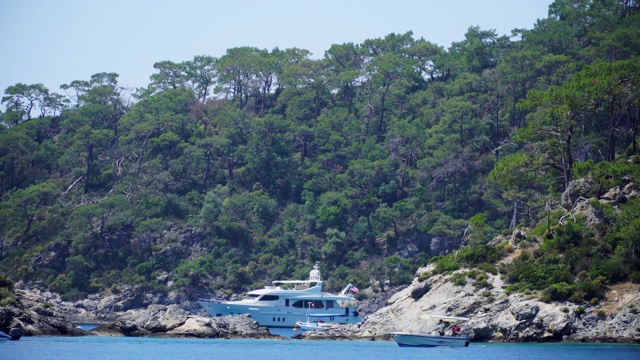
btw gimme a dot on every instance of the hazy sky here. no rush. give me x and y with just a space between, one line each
57 41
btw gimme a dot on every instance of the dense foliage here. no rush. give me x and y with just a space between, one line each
226 172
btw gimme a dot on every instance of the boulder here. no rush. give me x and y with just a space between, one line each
34 316
525 312
577 188
419 289
621 194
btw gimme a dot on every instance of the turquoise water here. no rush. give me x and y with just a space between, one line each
126 348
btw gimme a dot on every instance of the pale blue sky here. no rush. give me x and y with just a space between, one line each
57 41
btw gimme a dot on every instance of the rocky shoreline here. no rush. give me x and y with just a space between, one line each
497 317
173 321
494 316
44 314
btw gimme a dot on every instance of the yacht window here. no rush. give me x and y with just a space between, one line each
308 304
251 296
286 302
330 304
269 297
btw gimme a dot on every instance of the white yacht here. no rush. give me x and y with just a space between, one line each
287 302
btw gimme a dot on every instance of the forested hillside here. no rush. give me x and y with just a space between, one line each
226 172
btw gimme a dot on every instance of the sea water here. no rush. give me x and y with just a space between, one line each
129 348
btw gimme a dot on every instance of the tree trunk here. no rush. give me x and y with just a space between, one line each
382 101
88 170
611 137
634 126
567 160
207 170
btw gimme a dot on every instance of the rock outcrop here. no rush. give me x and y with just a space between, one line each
35 316
498 317
39 313
173 321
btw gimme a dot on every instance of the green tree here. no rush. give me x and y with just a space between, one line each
150 231
397 269
388 75
15 155
21 99
169 75
97 222
235 74
201 73
30 203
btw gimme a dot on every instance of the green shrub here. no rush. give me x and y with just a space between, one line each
424 276
483 283
559 291
73 295
6 283
546 298
445 264
579 310
7 297
459 279
583 275
488 268
144 269
635 277
516 288
598 270
588 289
479 254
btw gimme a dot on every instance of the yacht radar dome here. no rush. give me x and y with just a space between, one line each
314 275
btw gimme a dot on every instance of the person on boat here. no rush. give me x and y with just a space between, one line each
441 327
455 329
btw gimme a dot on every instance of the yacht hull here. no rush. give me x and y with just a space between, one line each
277 316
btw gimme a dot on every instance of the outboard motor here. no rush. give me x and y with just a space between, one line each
15 333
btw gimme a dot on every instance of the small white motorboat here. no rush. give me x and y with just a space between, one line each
431 340
316 322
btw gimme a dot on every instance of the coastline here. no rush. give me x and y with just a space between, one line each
497 318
